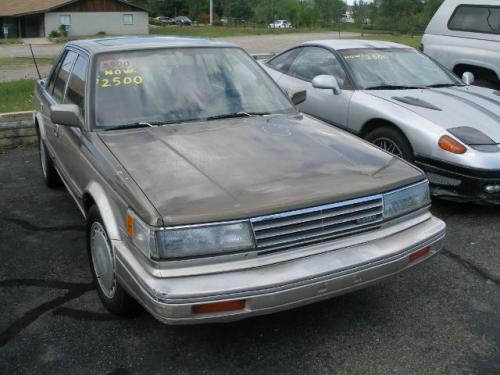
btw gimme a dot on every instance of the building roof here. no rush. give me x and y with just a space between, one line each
354 44
125 43
23 7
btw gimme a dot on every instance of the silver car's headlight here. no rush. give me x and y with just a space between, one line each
407 199
205 240
141 235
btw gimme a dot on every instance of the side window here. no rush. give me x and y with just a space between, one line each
314 61
479 19
75 94
52 79
282 62
62 76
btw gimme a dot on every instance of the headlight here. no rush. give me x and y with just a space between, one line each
208 239
402 201
189 241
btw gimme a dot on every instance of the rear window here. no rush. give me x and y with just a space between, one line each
476 19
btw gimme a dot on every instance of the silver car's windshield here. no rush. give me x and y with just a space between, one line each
153 87
395 68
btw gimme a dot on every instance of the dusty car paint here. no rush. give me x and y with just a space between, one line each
239 168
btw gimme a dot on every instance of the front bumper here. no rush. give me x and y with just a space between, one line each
332 269
461 184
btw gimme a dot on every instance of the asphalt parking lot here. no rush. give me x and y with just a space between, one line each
442 316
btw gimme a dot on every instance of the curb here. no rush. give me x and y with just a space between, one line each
16 129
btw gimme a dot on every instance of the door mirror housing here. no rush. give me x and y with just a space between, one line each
66 114
326 82
297 96
468 78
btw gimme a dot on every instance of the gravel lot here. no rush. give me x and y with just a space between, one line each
253 44
439 317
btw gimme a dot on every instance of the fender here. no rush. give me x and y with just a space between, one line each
105 208
38 119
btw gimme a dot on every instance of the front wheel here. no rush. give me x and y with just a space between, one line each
392 141
102 262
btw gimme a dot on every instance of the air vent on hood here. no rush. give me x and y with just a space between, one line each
416 102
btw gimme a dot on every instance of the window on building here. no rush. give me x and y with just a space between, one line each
62 76
476 19
65 19
75 92
128 19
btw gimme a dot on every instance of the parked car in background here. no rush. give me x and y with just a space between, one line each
464 36
165 20
280 24
207 195
346 19
182 21
402 101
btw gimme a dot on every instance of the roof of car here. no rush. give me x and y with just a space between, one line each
352 44
123 43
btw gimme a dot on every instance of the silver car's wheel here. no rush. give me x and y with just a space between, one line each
388 145
49 172
102 259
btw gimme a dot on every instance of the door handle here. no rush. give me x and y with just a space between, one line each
56 130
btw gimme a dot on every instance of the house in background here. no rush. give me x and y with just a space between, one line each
37 18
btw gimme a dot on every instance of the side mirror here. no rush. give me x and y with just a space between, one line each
468 78
297 96
65 114
326 82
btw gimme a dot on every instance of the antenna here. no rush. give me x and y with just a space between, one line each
34 60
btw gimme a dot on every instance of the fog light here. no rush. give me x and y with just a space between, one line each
218 307
492 189
419 253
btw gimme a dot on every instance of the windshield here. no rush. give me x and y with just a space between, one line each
399 67
181 84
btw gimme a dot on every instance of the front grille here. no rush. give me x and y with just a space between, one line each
292 229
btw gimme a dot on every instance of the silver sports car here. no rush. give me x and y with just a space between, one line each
406 103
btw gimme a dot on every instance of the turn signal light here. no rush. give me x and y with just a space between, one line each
449 144
419 253
218 307
130 225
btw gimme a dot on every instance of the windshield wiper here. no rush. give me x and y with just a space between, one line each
237 114
393 87
133 125
439 85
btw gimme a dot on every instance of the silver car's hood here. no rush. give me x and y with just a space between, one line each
451 107
238 168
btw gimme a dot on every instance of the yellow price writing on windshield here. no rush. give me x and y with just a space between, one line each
119 81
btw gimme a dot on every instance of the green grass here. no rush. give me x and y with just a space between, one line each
412 41
16 96
10 41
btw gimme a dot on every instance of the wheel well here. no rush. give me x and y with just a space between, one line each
479 72
378 123
88 202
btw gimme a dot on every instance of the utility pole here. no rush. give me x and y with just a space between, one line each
211 11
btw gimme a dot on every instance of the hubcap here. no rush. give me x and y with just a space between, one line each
102 259
388 145
43 158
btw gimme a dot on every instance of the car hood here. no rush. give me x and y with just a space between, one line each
453 107
240 168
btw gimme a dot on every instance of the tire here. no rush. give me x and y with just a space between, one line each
49 173
392 141
102 264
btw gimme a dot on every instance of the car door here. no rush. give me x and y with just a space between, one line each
324 104
53 95
69 142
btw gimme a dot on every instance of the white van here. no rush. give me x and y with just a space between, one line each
464 36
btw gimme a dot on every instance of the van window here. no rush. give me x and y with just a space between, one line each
62 76
75 93
476 19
